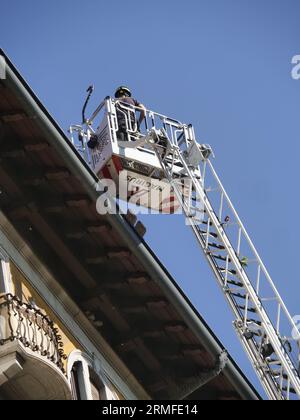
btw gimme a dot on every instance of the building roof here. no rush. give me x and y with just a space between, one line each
49 194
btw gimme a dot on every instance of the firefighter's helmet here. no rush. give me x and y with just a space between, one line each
121 91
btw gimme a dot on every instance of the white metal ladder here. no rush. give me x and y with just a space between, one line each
263 324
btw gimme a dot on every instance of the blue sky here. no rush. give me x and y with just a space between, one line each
225 66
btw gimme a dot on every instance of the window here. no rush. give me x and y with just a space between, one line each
75 385
85 381
97 387
80 381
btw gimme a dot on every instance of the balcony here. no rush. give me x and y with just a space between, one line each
31 353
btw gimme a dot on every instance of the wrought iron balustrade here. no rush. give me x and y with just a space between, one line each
35 330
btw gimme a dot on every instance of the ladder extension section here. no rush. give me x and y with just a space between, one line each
263 324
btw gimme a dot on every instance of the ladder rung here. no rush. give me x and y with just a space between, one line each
195 220
204 222
255 321
235 283
214 235
292 391
250 334
239 295
273 361
217 246
219 257
253 310
257 334
233 272
278 373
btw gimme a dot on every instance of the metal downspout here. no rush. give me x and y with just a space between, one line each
203 378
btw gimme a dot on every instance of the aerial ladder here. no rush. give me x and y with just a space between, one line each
264 326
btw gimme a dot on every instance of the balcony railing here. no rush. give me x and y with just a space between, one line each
22 322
